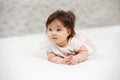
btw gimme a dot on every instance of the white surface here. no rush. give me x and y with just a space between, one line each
22 59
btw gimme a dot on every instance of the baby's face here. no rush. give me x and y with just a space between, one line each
57 33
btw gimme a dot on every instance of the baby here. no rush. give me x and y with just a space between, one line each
64 46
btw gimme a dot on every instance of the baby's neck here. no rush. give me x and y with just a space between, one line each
63 44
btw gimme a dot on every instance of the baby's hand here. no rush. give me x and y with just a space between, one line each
67 59
74 60
71 60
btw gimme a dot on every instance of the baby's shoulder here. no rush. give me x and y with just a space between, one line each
76 40
78 37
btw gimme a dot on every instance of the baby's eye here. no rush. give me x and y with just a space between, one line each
49 29
59 29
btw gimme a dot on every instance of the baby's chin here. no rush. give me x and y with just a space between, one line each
55 41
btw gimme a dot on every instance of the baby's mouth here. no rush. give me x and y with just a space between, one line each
54 38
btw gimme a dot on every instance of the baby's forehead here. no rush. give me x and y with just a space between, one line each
55 26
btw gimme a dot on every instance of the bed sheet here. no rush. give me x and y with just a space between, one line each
21 58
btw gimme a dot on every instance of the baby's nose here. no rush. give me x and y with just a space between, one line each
53 32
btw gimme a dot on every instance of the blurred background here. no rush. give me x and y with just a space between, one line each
23 17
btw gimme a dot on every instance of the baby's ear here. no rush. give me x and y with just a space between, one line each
69 31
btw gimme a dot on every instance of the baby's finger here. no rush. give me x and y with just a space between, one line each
69 63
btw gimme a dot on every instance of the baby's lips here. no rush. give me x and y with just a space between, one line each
69 56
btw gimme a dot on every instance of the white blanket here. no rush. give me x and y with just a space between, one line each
21 58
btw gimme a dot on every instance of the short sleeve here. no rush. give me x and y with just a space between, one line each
86 42
76 43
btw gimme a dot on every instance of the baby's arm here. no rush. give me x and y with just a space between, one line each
82 54
55 58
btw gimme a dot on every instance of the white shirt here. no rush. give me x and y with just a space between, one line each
74 45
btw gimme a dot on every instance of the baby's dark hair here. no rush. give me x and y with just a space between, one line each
67 18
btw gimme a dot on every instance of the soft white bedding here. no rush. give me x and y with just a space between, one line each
21 58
